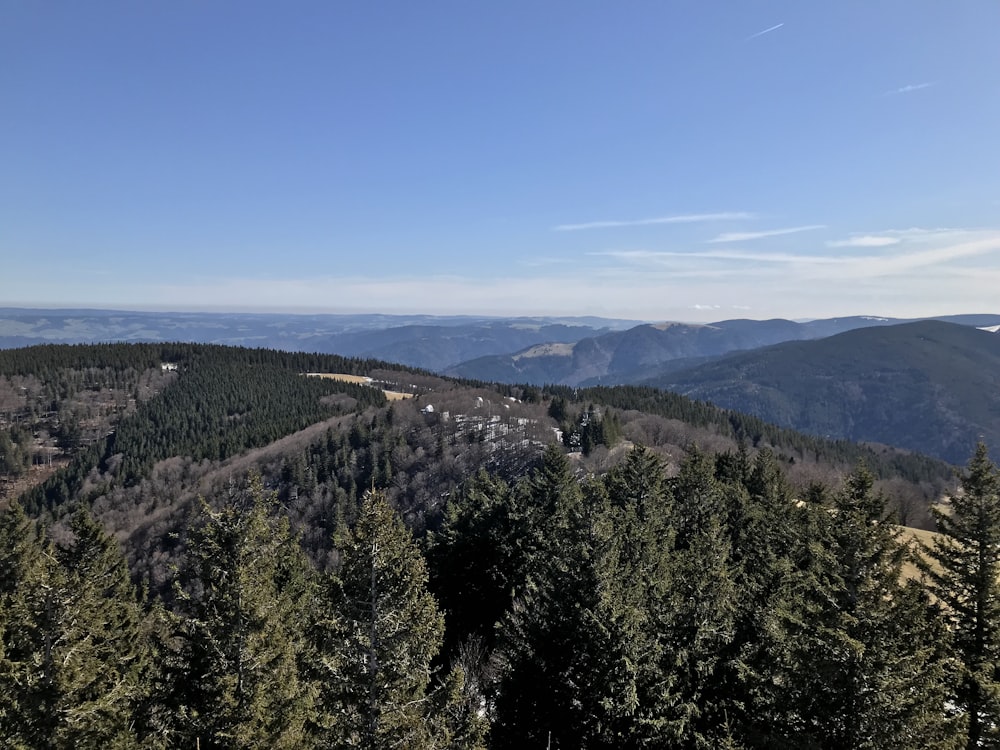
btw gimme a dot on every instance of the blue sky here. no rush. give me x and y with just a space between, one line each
655 160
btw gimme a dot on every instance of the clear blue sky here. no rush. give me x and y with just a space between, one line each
688 160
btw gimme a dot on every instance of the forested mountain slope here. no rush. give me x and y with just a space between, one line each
474 566
438 347
567 350
138 431
432 342
646 351
563 611
930 386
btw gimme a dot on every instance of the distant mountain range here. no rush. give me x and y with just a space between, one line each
425 341
648 350
558 350
929 386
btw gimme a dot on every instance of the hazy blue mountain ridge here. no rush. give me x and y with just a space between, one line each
928 386
430 342
861 378
644 351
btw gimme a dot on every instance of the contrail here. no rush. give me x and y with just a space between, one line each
907 89
765 31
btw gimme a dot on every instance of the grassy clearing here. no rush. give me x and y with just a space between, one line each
360 379
397 395
916 537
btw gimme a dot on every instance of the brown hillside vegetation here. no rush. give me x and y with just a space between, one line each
918 540
361 380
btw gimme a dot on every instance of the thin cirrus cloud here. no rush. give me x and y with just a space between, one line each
946 250
645 284
743 236
670 257
909 88
678 219
982 244
865 240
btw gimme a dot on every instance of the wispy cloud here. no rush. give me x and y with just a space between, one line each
909 88
662 256
920 234
930 271
945 247
988 244
743 236
541 261
865 240
679 219
765 31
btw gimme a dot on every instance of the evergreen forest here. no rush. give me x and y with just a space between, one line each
205 547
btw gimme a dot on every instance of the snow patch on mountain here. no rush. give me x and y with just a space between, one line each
546 350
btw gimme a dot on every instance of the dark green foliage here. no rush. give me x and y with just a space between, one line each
768 535
701 611
697 619
967 581
558 409
756 431
636 576
697 613
225 401
24 569
102 674
926 386
591 428
865 666
15 452
614 640
692 604
547 691
389 631
246 595
478 558
74 656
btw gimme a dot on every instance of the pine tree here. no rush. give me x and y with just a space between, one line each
106 654
547 642
695 621
389 631
767 550
967 580
74 651
635 578
865 665
245 595
476 558
25 567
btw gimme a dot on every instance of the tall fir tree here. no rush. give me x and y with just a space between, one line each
635 579
865 665
75 654
966 579
545 643
103 674
245 593
26 582
476 559
389 632
696 621
767 550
